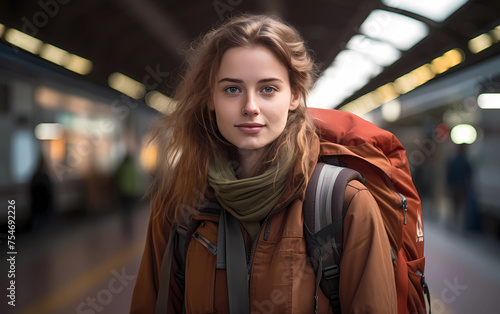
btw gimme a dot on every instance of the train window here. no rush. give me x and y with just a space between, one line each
4 98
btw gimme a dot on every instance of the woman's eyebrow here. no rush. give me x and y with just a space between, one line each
233 80
272 79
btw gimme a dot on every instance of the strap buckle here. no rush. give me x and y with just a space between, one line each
331 272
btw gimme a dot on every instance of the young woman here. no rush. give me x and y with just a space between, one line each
241 136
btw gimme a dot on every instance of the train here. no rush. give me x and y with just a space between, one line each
75 132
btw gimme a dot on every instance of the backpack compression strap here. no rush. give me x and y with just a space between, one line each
323 218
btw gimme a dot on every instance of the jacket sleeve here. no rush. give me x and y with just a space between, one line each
367 283
147 282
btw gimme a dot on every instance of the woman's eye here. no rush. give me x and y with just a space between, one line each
268 90
232 90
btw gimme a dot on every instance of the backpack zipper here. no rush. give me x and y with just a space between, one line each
404 204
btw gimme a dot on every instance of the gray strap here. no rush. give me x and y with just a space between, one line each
165 269
324 195
236 263
221 243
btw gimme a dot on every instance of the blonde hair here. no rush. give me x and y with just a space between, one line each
188 138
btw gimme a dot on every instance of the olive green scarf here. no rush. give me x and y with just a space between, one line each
249 200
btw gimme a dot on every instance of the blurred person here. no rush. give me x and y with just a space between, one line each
126 188
241 136
459 178
41 196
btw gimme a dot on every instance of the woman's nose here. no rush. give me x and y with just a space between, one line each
251 106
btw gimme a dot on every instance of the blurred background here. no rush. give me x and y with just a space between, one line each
80 82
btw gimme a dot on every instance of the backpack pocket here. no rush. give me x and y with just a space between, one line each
416 287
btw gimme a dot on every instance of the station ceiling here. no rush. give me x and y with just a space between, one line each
145 39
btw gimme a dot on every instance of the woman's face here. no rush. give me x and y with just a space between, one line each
252 97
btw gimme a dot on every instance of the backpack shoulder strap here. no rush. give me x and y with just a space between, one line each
323 224
180 234
177 234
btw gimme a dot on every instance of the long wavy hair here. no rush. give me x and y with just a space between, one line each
188 138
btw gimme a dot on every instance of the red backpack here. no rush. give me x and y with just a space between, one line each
381 159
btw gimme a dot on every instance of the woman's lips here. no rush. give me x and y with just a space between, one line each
250 128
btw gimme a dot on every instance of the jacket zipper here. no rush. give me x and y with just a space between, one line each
254 245
404 204
205 242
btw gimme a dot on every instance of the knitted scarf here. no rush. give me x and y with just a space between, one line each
249 200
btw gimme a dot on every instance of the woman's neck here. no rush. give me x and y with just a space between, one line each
249 163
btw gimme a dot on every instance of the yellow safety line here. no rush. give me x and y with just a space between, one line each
83 283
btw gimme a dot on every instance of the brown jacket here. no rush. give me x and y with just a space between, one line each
282 279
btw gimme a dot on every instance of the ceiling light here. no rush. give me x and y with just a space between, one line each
454 57
126 85
437 10
349 72
2 29
78 64
495 33
448 60
23 41
351 66
363 104
480 43
54 54
489 101
405 83
463 134
381 53
391 111
160 102
423 74
386 93
399 30
49 131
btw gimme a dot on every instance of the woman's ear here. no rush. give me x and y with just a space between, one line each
295 101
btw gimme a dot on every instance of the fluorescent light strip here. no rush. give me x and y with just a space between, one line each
49 131
489 101
47 51
126 85
54 54
160 102
495 33
404 84
23 41
480 43
78 64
